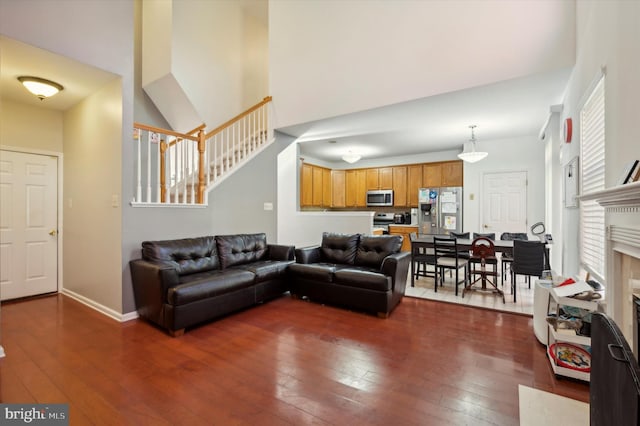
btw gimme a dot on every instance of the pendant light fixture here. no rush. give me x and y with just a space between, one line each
40 87
469 153
351 157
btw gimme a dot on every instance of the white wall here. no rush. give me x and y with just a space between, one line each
305 228
506 155
329 58
92 207
608 35
30 127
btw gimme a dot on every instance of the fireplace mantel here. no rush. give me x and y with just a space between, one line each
623 196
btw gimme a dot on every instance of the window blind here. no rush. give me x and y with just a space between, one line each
592 153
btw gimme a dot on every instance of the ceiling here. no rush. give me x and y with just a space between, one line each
18 59
502 110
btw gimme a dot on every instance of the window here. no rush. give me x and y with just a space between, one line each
592 229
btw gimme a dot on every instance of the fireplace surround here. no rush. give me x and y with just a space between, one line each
622 269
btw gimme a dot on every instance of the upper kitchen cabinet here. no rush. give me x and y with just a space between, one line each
379 178
338 188
414 183
356 188
326 187
445 173
400 186
315 186
452 173
431 175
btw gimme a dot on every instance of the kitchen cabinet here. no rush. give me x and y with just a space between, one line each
404 231
356 188
379 178
432 175
414 182
306 185
452 173
326 188
315 186
338 188
400 186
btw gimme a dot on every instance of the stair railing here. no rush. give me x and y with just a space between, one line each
179 168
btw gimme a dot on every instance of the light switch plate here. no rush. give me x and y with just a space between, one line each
268 206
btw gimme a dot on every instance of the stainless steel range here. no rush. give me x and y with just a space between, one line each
383 220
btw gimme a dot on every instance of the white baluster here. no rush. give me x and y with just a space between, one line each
139 187
158 188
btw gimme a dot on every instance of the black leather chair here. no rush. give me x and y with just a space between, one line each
528 259
447 257
421 257
507 255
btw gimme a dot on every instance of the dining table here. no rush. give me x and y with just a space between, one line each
425 241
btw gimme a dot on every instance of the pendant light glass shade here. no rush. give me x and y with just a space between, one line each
469 153
351 157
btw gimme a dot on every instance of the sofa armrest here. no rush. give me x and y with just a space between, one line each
151 281
396 265
308 255
281 252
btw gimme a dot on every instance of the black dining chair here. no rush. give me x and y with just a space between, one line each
421 256
528 259
507 255
490 261
447 257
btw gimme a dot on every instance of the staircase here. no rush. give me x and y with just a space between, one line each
179 169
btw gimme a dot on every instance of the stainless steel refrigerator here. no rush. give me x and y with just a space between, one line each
440 210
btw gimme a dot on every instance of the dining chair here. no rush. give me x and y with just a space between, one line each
506 258
483 253
421 256
528 259
491 261
447 257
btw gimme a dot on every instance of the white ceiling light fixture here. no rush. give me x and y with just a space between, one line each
40 87
469 153
351 157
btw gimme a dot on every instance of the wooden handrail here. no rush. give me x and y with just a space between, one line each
238 117
164 131
197 129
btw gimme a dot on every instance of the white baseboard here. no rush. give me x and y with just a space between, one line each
100 308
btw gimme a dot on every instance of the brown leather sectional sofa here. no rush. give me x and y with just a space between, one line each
180 283
358 271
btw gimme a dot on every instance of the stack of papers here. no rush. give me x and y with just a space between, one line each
569 290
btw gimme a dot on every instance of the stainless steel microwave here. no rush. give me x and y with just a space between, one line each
379 198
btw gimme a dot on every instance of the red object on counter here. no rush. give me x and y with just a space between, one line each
567 282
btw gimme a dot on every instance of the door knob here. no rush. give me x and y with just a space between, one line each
53 232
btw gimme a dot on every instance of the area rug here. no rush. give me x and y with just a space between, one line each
424 289
539 408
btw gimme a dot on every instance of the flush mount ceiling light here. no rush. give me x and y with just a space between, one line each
40 87
351 157
469 153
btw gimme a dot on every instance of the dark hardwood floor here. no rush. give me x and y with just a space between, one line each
284 362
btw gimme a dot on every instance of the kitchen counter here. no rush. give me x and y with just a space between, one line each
404 224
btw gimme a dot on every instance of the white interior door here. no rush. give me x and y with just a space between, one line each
28 224
504 202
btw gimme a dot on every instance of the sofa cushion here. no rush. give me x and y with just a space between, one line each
266 269
187 255
313 271
241 248
200 286
363 278
339 248
373 249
